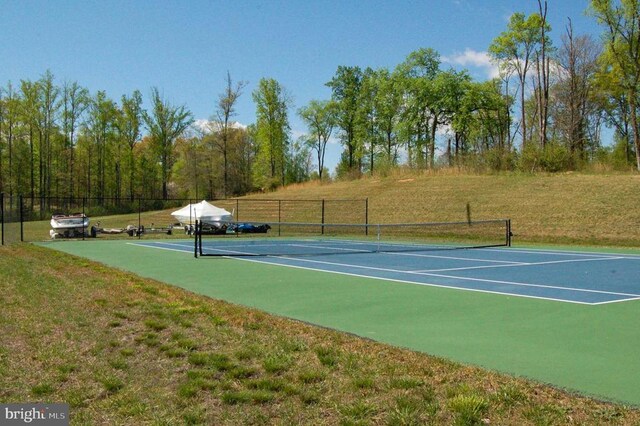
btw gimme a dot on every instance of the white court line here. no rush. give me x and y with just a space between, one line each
550 262
409 254
561 252
263 262
329 248
616 301
632 296
514 283
451 257
190 246
149 245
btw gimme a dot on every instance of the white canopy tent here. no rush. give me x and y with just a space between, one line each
204 212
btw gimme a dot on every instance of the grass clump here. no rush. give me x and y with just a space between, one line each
312 376
327 356
155 325
42 389
469 409
111 384
277 363
358 411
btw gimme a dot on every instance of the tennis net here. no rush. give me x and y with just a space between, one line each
306 239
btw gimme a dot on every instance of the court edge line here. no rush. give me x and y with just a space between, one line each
410 282
550 262
617 301
565 252
513 283
149 245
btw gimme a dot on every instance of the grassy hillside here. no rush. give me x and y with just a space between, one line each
121 349
562 208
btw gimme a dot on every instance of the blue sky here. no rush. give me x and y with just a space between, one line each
185 48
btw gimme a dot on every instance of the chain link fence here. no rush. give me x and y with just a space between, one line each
30 218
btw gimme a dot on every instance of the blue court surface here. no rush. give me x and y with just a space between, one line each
565 276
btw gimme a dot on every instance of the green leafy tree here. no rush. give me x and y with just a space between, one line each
272 132
320 118
612 101
165 123
48 105
299 161
621 21
345 92
129 127
415 79
367 124
100 129
513 49
30 116
10 128
388 100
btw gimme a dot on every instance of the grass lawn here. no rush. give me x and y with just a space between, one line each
125 350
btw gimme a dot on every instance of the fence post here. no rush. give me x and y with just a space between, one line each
139 219
279 217
322 216
83 216
21 219
366 216
2 216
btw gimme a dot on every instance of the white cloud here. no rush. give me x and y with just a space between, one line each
472 58
208 126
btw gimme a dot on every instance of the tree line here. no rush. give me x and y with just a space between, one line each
545 111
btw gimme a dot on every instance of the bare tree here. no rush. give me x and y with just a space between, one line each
226 109
577 58
75 101
542 68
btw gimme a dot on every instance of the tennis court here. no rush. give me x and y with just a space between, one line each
586 278
564 317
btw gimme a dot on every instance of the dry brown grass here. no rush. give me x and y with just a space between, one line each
570 208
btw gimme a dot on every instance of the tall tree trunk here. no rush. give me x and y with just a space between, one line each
131 174
523 116
634 124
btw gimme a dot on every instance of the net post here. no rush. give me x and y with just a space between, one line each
509 235
195 243
279 217
377 236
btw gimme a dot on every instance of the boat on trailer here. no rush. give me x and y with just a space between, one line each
69 225
215 220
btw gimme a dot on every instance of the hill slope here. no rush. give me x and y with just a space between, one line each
566 208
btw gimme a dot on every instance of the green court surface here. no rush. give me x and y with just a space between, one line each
591 349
